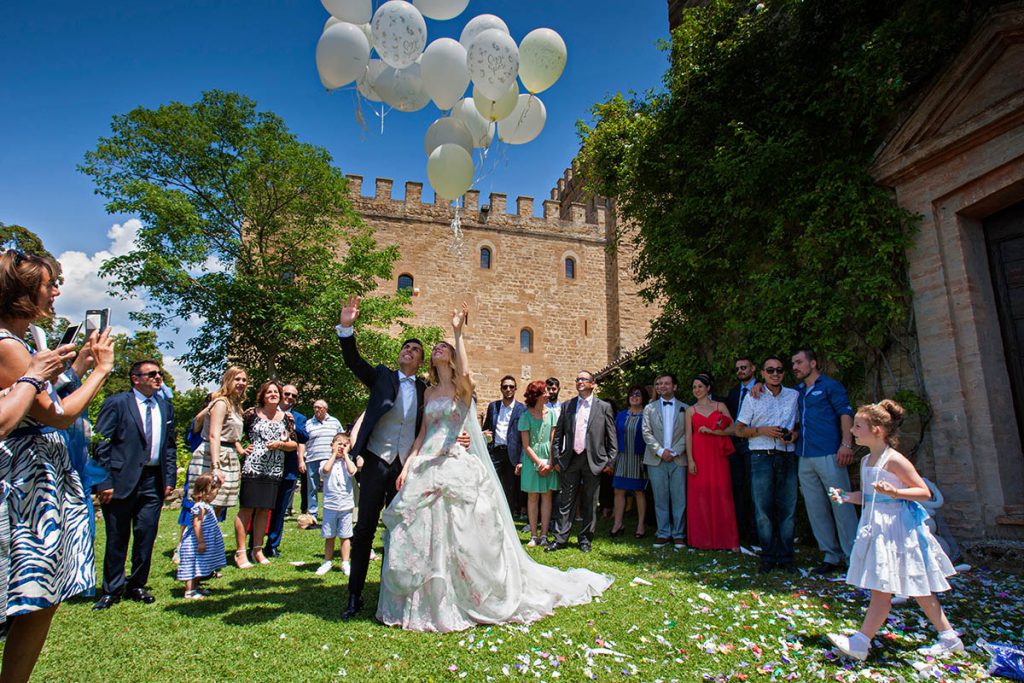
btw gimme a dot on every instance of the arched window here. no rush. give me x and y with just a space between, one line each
526 340
405 282
485 258
570 268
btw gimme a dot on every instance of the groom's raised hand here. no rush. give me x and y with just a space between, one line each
349 311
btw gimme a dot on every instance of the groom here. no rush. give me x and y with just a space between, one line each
390 425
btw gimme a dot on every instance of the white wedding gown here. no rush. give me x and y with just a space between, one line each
452 557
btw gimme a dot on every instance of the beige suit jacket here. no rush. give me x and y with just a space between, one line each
653 430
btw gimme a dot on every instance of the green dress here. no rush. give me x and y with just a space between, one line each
540 442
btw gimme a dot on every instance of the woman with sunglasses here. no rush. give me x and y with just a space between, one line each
629 469
44 520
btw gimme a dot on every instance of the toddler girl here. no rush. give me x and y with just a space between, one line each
894 551
201 552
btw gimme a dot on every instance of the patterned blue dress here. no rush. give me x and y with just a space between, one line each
193 563
47 546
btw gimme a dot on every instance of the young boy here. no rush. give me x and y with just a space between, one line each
336 473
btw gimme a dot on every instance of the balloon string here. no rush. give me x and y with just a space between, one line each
455 246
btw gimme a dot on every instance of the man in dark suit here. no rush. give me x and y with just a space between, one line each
389 428
585 445
137 448
501 427
739 463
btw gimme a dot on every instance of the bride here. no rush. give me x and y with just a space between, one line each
452 557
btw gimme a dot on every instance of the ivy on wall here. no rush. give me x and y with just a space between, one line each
760 227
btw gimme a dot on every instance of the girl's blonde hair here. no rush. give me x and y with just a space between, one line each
463 391
887 415
227 388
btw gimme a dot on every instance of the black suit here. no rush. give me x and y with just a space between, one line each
739 471
134 510
378 477
505 458
582 469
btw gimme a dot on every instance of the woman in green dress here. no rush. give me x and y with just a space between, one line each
539 479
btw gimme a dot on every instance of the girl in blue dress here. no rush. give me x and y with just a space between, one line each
202 547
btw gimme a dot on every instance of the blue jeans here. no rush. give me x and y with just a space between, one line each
668 484
834 526
773 486
313 477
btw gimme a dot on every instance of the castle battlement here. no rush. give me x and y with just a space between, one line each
579 216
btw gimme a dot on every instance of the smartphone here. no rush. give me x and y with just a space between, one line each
97 320
70 334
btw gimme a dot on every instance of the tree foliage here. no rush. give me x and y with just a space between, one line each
248 231
760 228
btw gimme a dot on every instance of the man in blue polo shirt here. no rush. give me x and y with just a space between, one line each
825 449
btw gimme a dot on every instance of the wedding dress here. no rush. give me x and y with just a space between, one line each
452 557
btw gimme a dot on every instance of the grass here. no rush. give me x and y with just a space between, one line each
705 616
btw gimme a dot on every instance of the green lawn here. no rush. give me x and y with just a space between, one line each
706 616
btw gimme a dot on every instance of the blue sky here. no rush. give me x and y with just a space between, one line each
68 67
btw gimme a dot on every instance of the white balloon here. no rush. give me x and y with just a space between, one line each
402 88
481 129
496 110
493 60
368 32
445 73
542 56
445 131
365 84
525 122
478 25
331 21
450 171
441 10
352 11
341 55
399 33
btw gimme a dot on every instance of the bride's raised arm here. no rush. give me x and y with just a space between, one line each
463 376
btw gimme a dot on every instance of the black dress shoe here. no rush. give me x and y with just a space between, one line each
140 595
585 548
106 602
766 567
355 605
825 568
271 552
553 546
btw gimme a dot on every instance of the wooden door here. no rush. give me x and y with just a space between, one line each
1004 235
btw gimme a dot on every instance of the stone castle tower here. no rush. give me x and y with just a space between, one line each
548 295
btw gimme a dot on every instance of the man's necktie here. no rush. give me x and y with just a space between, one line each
149 424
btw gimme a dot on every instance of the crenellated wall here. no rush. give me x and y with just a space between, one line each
576 322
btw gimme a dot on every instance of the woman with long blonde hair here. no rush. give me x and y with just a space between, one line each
222 433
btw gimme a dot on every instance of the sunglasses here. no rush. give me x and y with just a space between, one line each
775 371
289 394
584 379
149 375
508 386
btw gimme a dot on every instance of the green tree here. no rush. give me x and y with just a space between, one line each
247 230
760 228
23 239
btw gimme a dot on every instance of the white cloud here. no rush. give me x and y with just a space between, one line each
83 288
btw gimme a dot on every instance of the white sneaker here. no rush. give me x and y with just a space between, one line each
943 647
346 568
849 646
323 568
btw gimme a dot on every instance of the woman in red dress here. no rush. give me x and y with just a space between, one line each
710 515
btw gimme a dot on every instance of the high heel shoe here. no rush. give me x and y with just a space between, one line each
616 532
640 534
244 563
260 557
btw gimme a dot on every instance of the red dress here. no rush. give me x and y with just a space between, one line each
710 515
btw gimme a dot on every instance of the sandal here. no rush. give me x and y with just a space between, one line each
244 563
260 557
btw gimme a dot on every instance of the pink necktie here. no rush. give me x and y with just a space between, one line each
579 442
